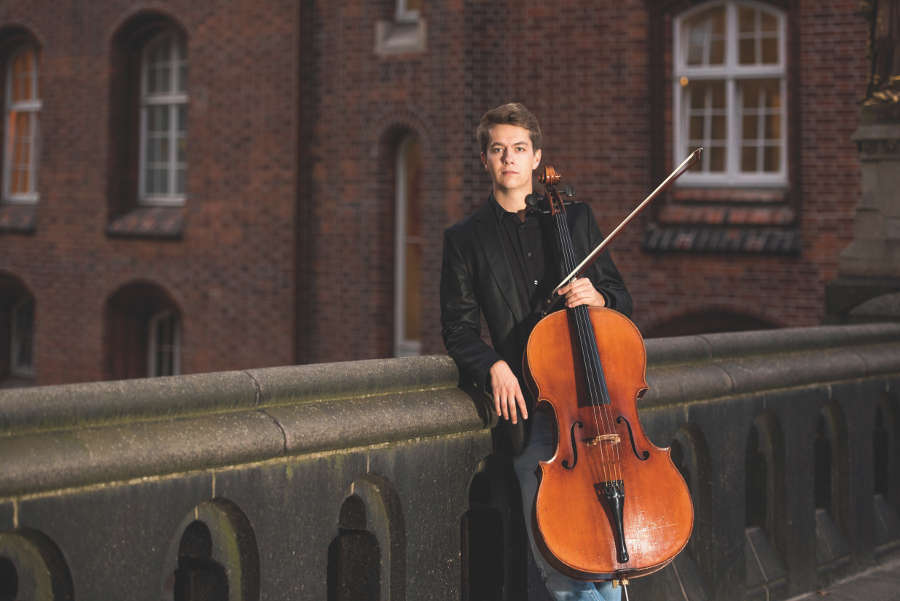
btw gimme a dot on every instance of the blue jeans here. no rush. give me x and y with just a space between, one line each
540 447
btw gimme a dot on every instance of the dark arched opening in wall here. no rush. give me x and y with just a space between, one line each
9 580
32 567
17 311
886 475
199 577
830 489
764 522
143 333
707 322
482 543
354 557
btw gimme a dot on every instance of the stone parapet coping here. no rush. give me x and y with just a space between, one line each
74 435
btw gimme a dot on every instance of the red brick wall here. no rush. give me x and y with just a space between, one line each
293 122
232 273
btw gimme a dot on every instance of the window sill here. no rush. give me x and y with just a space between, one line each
148 222
18 218
718 239
400 37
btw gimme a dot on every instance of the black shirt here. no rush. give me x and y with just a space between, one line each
527 241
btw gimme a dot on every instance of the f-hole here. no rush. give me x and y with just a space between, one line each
198 576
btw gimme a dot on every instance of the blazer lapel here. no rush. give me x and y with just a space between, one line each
488 235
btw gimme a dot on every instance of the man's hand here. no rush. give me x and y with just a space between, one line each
507 393
580 291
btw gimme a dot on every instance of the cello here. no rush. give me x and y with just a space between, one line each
610 505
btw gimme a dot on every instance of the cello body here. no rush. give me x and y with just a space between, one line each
575 525
610 505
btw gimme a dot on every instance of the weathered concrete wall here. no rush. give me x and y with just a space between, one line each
370 479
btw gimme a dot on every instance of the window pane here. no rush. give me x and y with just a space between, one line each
746 19
707 120
412 327
696 131
748 159
23 74
19 141
747 51
760 124
716 159
748 124
772 159
758 37
164 344
413 160
181 118
23 335
773 127
164 136
704 36
717 130
770 51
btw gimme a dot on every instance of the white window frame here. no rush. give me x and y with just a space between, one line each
16 368
403 346
174 100
32 107
153 343
731 72
405 14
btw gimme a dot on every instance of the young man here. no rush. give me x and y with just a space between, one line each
501 262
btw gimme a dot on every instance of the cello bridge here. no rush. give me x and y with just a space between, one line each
595 440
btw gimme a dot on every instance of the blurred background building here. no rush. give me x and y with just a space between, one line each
193 186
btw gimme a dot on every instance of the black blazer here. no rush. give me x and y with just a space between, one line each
476 277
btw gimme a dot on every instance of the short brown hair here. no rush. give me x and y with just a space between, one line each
511 113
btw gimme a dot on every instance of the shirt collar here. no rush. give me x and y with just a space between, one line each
500 212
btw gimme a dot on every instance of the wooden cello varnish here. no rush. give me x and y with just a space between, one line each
610 504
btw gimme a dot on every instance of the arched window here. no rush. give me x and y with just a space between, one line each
163 120
22 133
164 344
143 333
408 250
21 338
16 332
730 93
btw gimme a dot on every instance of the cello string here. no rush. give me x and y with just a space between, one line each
568 255
595 386
596 376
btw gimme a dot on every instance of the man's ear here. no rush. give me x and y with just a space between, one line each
537 159
484 160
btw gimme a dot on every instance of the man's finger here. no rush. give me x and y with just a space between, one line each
513 416
521 401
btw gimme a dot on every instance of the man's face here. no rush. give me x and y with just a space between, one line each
510 158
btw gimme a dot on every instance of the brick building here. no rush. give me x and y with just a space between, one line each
199 186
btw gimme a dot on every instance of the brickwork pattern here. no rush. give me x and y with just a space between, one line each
287 253
232 272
